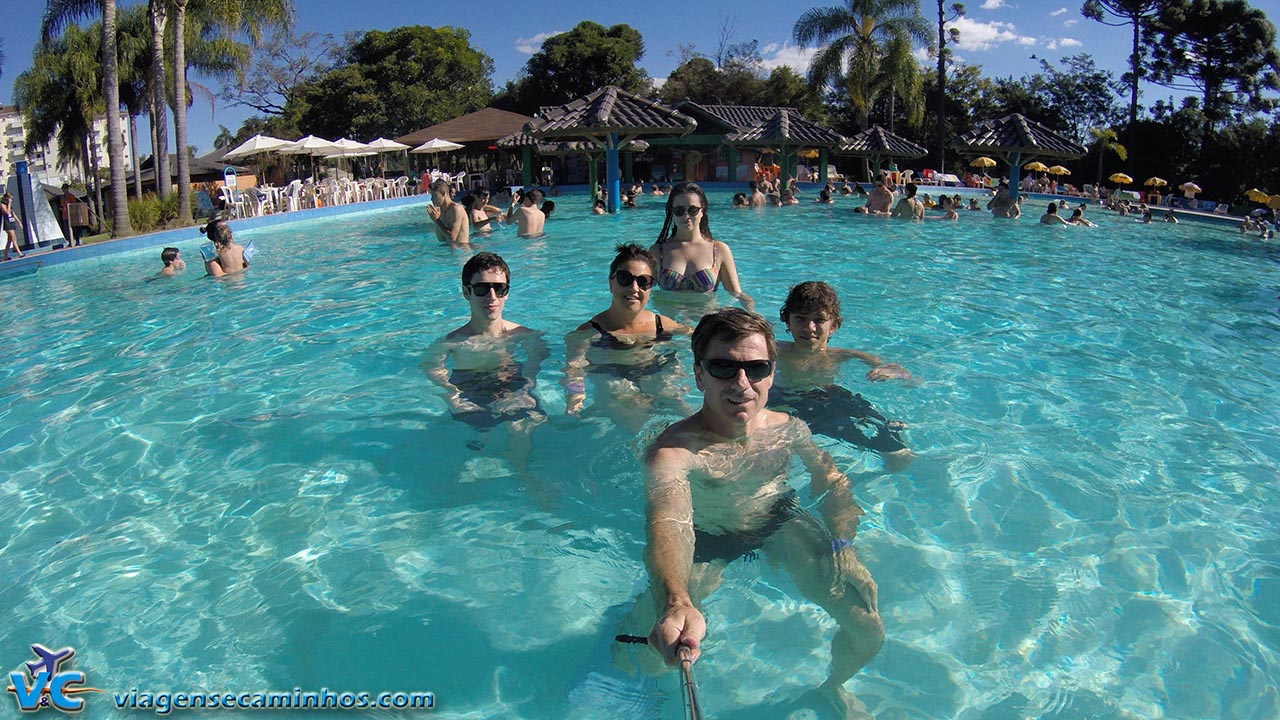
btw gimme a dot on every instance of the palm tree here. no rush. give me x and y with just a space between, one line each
1104 139
58 14
158 14
899 77
858 35
229 17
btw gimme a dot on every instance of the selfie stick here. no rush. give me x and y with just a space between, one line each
693 710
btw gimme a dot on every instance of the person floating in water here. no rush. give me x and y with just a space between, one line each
717 490
807 369
488 386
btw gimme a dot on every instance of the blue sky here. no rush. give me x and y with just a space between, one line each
998 35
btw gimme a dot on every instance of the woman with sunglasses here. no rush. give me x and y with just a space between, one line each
623 346
690 260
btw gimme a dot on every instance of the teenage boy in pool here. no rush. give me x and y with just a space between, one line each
524 209
807 369
733 455
488 386
172 263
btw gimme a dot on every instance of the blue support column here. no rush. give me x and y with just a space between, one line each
613 182
1015 161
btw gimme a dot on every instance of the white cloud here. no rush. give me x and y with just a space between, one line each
982 36
1069 23
993 5
1059 11
1055 43
796 58
529 46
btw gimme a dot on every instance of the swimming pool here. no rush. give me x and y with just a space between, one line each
251 485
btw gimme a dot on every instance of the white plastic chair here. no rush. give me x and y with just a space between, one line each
292 196
232 200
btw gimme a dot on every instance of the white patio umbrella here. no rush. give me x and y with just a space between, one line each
345 148
383 146
309 145
434 146
258 145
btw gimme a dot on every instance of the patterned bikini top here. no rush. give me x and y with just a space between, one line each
702 281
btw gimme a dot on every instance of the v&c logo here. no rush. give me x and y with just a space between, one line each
48 684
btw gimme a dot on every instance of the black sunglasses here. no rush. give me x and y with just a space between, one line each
482 289
625 279
728 369
680 210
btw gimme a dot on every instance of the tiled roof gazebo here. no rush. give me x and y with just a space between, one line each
1016 138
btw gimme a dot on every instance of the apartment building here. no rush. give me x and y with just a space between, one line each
44 163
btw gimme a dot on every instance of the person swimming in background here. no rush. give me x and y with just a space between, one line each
1170 217
807 370
1003 205
173 264
524 210
1078 218
740 201
690 260
625 350
909 207
488 386
450 220
824 197
597 207
1051 216
228 257
481 213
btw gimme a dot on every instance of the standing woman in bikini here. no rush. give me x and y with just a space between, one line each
690 260
9 225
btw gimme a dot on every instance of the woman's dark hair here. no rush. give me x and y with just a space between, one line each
811 298
218 231
686 188
548 207
632 251
739 199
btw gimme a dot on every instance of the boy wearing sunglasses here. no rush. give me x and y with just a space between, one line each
733 455
489 384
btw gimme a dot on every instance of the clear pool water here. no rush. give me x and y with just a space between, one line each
251 485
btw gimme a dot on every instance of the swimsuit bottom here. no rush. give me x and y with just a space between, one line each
730 546
838 413
649 368
503 395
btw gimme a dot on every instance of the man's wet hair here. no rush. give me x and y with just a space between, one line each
168 255
728 326
632 251
440 185
484 261
812 298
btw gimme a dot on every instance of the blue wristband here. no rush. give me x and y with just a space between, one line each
840 544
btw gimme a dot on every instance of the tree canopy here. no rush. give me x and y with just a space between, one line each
577 62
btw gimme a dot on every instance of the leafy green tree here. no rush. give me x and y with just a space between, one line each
58 14
785 87
858 36
1081 95
694 79
225 138
577 62
279 67
392 83
1223 49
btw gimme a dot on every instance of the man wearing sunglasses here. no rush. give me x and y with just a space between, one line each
733 455
494 361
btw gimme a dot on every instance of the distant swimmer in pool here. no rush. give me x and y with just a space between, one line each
717 489
494 361
807 370
1051 216
1003 204
626 351
690 260
229 257
524 211
909 207
879 200
483 215
448 218
173 264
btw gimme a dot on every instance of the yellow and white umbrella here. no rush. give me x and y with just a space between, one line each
1257 195
983 162
1058 170
1036 166
1155 182
1190 187
1120 179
